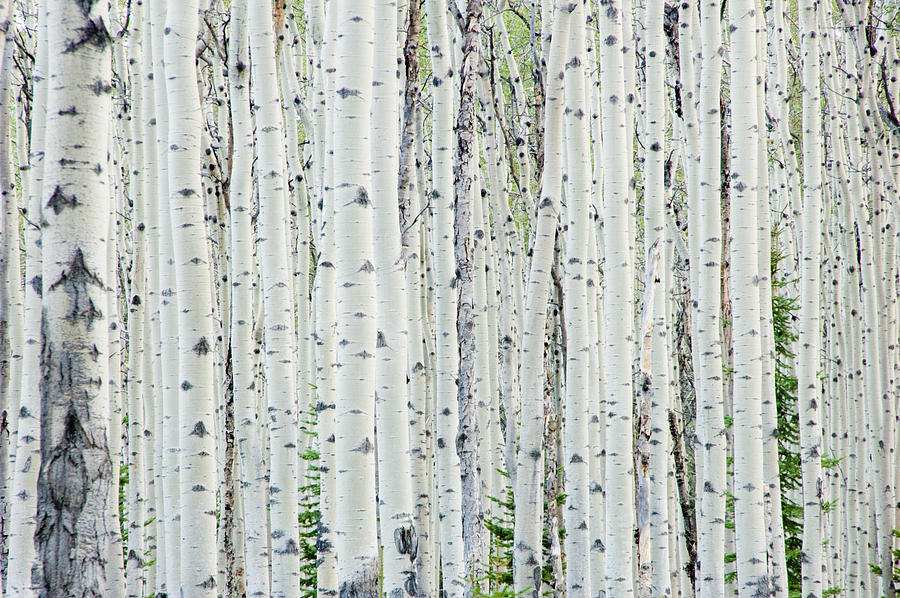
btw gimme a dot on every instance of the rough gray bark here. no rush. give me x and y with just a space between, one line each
463 174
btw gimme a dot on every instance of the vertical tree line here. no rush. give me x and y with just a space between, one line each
444 297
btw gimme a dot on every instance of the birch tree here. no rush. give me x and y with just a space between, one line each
618 307
750 535
356 532
76 472
447 462
278 302
710 415
197 471
578 349
22 555
809 347
398 533
251 428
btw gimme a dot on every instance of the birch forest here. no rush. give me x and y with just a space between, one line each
449 298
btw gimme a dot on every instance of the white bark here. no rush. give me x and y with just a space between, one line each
250 425
750 533
197 473
530 469
619 302
168 433
326 333
72 533
809 396
577 399
399 537
138 449
273 245
357 543
711 468
445 308
655 234
22 555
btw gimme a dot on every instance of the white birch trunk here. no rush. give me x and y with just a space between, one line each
357 542
619 302
398 534
273 245
251 426
326 333
530 468
72 533
169 559
22 554
655 234
197 472
445 309
750 533
809 396
711 468
138 449
577 399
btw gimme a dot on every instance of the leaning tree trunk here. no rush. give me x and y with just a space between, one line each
196 342
72 535
530 467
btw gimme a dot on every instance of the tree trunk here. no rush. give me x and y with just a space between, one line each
357 542
750 533
72 534
196 342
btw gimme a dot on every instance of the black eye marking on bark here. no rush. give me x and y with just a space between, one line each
365 447
75 281
199 430
361 197
345 93
100 87
59 201
94 33
202 347
406 540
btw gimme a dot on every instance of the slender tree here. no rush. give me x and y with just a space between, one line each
197 473
278 301
618 308
710 408
398 534
447 464
578 349
357 543
809 340
465 194
750 533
